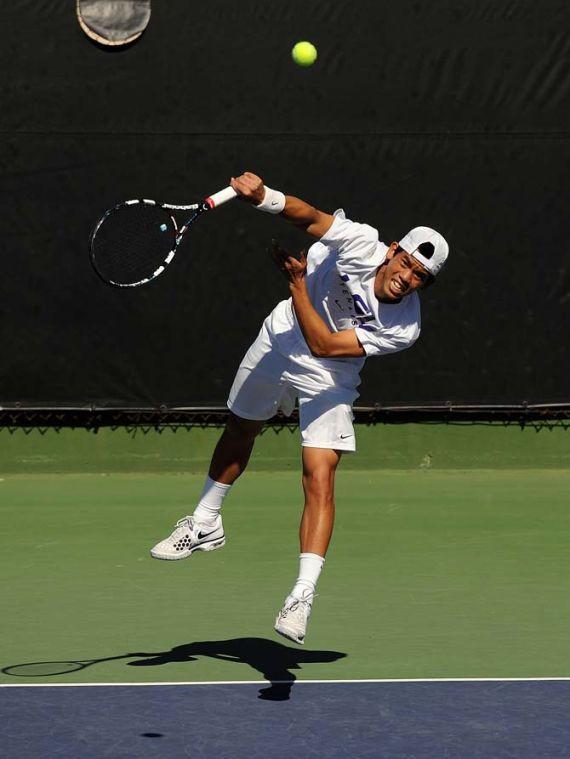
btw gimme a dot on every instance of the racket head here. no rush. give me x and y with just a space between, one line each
133 243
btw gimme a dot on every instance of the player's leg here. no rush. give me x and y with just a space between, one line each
317 522
254 397
319 468
203 530
232 452
229 460
327 431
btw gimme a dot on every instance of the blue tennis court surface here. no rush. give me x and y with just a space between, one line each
464 719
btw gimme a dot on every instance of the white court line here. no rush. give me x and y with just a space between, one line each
296 682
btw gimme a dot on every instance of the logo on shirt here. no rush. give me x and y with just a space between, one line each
360 312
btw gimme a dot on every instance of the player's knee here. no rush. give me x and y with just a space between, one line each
318 482
242 428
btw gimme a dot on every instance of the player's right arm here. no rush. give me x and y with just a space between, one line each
316 223
303 215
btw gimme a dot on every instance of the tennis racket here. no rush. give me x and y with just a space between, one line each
134 242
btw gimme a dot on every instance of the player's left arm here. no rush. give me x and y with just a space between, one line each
321 341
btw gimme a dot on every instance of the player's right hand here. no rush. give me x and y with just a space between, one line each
249 187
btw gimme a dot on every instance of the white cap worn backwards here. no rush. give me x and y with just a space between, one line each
428 247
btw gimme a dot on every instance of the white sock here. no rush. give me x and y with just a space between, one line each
310 566
211 500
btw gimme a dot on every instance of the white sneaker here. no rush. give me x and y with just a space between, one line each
293 618
189 536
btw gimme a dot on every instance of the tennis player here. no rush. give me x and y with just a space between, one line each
352 297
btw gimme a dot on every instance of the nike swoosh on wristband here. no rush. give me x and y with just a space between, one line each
342 437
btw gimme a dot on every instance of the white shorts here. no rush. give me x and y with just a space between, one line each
267 381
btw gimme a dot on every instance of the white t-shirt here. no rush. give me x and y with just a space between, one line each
341 269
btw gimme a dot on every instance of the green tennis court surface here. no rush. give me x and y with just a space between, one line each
459 571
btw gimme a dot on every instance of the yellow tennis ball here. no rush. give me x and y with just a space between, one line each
304 53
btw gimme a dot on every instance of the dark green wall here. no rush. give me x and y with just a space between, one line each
451 114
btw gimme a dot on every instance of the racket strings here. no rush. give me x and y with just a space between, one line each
132 242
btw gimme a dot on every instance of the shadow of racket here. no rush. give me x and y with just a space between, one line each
51 668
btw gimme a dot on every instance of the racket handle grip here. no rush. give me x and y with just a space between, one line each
220 197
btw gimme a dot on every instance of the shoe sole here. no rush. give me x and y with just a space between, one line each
210 546
290 636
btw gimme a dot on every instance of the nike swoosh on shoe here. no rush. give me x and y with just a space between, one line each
201 535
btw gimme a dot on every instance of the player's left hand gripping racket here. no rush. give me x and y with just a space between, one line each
134 242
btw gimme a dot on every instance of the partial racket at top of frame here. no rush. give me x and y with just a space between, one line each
134 242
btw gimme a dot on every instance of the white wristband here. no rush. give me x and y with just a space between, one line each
273 201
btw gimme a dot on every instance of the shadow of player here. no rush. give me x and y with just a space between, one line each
272 660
